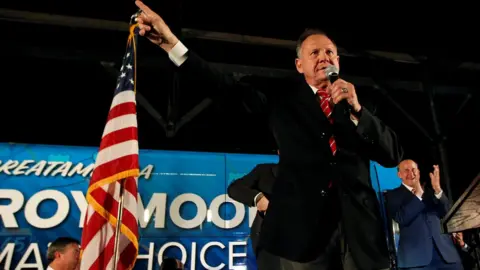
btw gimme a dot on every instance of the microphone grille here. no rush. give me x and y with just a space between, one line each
331 71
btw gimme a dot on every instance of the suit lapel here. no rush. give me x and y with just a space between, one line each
405 190
406 193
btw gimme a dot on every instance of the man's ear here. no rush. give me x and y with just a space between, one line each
298 65
57 254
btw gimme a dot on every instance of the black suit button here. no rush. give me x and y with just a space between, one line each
323 193
333 164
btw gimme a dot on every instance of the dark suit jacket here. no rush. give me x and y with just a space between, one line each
469 255
303 211
244 190
419 223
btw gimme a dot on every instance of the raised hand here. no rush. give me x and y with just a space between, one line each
154 28
459 237
435 178
417 188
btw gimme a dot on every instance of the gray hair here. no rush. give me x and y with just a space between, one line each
307 33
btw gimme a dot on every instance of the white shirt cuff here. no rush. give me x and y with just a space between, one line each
178 54
354 119
465 247
439 195
255 199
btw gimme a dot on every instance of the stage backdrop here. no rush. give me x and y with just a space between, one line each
185 211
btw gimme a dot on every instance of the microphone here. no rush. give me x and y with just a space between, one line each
332 75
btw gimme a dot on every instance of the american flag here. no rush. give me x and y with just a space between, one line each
117 160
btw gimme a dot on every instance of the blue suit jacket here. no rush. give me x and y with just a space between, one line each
419 222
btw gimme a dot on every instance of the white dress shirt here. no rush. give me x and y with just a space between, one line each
439 195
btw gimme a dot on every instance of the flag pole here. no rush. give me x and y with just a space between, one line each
118 225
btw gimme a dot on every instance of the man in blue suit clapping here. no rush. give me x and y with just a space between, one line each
418 212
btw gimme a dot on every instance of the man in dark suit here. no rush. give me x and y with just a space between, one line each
326 147
418 212
254 190
468 252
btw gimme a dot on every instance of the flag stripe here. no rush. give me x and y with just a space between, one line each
117 151
123 244
109 169
122 109
122 135
122 97
129 249
128 197
96 245
131 186
90 212
128 219
121 122
105 254
97 222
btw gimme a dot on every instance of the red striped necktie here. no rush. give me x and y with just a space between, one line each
327 110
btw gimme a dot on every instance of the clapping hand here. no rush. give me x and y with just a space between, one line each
417 186
435 178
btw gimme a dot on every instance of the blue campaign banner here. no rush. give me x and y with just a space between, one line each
184 211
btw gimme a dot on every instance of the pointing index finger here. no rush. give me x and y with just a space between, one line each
143 7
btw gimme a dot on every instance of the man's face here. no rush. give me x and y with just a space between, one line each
317 53
408 172
70 257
